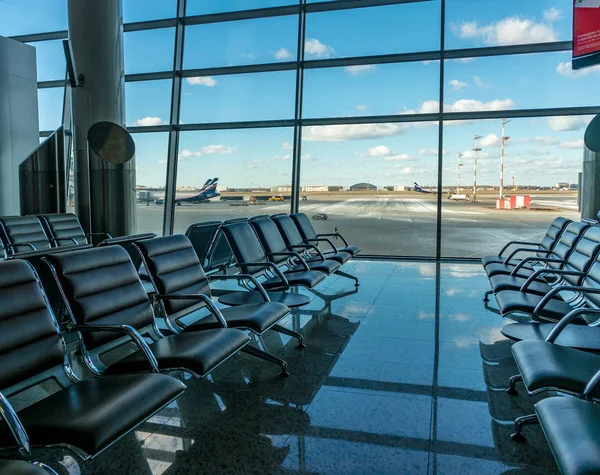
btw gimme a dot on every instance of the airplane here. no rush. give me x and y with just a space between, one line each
203 195
420 189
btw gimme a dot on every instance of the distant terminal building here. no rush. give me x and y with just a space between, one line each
562 184
335 188
315 188
363 187
282 189
396 188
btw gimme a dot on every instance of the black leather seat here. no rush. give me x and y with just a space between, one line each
252 259
102 287
512 301
89 415
258 317
64 229
575 251
552 235
292 237
20 467
572 428
23 234
308 233
202 236
545 365
280 253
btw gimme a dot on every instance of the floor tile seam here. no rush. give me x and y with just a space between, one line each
375 392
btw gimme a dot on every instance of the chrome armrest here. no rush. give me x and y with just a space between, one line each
292 254
249 277
520 243
106 235
591 386
311 247
128 330
57 240
271 265
568 318
328 241
335 235
14 424
204 298
525 249
535 259
12 246
532 277
556 290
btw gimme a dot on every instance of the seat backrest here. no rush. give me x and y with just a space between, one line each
29 337
270 237
202 235
64 228
567 242
553 234
288 229
20 230
219 255
174 267
584 256
304 225
245 245
101 286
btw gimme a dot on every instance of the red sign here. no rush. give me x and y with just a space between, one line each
586 27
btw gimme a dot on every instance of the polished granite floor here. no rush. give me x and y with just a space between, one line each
404 376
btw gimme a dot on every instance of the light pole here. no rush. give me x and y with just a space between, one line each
458 181
504 139
476 149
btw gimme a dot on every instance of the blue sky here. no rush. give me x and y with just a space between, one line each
384 154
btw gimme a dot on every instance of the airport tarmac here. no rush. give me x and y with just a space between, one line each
395 224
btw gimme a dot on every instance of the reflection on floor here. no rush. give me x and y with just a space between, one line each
404 376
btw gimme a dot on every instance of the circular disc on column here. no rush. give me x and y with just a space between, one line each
111 142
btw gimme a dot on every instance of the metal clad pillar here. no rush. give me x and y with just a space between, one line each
590 188
104 192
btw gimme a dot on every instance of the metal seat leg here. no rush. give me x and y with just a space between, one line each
292 333
520 422
486 297
348 276
512 382
251 350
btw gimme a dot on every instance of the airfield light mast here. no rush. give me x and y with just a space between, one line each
476 149
458 182
504 139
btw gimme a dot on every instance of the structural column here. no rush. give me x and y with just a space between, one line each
105 193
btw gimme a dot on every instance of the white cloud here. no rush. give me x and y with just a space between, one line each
314 47
430 107
359 69
566 123
540 152
282 53
207 81
457 85
464 60
491 140
361 107
395 158
565 69
342 133
379 151
552 14
471 105
510 31
573 144
546 140
207 150
288 146
478 81
431 151
147 121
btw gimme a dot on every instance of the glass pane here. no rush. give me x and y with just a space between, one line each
149 51
151 171
21 17
203 7
148 102
50 60
472 23
142 10
242 163
265 40
362 177
259 96
380 89
372 31
519 82
50 106
542 160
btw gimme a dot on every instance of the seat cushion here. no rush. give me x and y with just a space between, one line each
496 269
329 266
581 337
258 317
545 365
19 467
502 282
304 279
340 256
572 428
93 414
485 260
513 301
199 352
353 250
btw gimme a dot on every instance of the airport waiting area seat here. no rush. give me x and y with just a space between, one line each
183 290
86 416
308 234
22 234
65 229
109 307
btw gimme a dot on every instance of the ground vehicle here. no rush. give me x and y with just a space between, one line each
276 198
320 217
304 198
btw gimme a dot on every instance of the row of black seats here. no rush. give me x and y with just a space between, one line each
109 308
555 285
